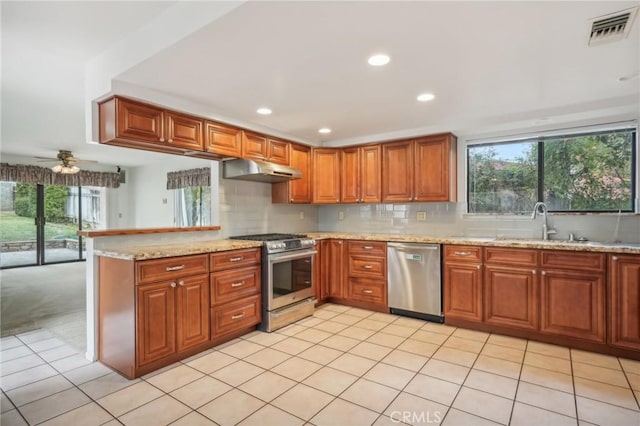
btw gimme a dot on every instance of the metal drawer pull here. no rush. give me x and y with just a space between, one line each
462 253
307 282
174 268
237 316
236 259
181 283
367 267
173 285
237 284
367 291
367 247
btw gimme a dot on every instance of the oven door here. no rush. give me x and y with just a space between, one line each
289 277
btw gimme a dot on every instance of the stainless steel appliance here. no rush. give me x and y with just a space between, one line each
260 171
287 278
414 280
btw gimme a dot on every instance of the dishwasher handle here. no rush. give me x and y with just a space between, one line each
414 246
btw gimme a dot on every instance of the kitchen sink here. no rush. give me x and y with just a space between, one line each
604 244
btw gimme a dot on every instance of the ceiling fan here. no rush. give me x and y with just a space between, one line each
67 162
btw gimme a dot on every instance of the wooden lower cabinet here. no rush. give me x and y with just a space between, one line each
334 268
511 297
192 312
624 301
463 291
238 315
156 322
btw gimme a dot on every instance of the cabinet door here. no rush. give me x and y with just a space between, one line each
624 299
184 131
511 297
254 146
223 140
463 291
397 172
300 189
432 169
572 304
335 268
326 175
370 174
278 151
139 122
350 175
155 321
319 285
192 311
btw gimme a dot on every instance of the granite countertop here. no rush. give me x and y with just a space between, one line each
175 249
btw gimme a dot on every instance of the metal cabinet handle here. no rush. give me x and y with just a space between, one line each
236 259
367 291
307 261
367 247
367 267
462 253
237 316
614 258
173 285
174 268
307 282
161 139
479 266
238 284
170 140
543 273
533 271
181 283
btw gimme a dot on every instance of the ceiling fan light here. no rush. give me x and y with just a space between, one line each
65 170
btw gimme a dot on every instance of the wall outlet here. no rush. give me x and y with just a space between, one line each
301 215
340 215
421 216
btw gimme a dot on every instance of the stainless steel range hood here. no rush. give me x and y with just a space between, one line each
258 171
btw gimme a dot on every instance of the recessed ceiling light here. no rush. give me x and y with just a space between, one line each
264 111
324 130
379 60
425 97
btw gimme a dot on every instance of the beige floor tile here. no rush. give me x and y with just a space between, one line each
384 339
417 347
410 322
498 366
237 373
105 385
303 401
438 328
593 358
460 418
455 356
371 324
548 399
371 395
5 403
352 364
44 345
267 386
70 362
547 378
19 364
357 312
483 404
346 319
630 366
211 362
634 381
503 352
296 368
266 339
386 421
463 333
13 418
379 316
464 344
548 349
231 407
25 377
406 360
492 383
549 362
192 419
267 358
311 321
355 332
340 343
199 392
398 330
433 389
88 415
241 349
292 346
331 381
602 414
86 373
445 370
291 330
127 399
610 394
371 351
527 415
333 307
15 352
601 374
40 389
389 375
340 412
331 326
53 405
313 335
429 337
175 378
325 314
270 415
508 341
161 411
58 353
114 422
320 354
411 409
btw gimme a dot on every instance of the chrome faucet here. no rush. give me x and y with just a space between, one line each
542 208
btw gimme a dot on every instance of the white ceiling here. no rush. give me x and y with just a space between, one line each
491 65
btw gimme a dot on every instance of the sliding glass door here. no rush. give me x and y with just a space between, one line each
18 229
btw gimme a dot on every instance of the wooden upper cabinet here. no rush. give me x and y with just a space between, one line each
397 171
624 301
184 131
326 175
360 177
223 140
278 152
350 175
296 191
254 146
435 168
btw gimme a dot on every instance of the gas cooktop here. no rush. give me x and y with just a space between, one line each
268 237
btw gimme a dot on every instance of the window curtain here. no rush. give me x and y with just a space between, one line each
187 178
45 176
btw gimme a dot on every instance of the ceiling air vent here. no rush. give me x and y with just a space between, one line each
613 27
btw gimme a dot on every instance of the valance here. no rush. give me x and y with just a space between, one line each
187 178
45 176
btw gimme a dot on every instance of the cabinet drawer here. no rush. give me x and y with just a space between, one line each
367 267
368 290
235 316
234 259
508 256
369 248
234 284
165 269
579 261
463 253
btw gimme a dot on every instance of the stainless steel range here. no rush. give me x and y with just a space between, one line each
287 278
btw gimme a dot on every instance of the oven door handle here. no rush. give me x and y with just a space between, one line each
281 258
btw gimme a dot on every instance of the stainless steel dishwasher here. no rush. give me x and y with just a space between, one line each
414 280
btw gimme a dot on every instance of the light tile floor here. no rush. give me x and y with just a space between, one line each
343 366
